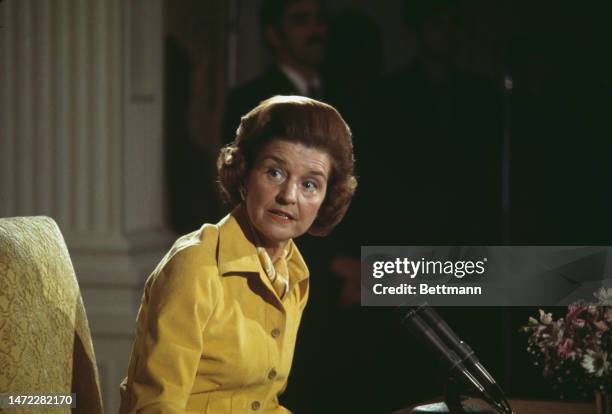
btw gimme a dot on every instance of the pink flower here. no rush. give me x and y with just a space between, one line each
574 348
601 326
608 314
575 309
578 323
565 349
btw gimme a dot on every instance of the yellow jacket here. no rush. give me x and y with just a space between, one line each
212 335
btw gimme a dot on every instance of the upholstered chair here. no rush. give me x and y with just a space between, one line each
45 342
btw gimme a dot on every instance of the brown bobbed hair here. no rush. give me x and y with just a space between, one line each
294 119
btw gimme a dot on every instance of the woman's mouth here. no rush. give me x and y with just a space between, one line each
280 216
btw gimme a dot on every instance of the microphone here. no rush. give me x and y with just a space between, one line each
417 326
463 350
427 325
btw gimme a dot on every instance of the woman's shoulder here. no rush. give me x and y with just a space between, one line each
200 244
191 259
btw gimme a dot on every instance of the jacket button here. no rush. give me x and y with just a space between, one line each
272 374
255 405
275 333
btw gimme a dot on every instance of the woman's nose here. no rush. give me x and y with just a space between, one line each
287 193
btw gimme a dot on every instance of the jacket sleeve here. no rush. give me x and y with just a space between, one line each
178 302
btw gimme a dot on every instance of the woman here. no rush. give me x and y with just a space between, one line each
218 321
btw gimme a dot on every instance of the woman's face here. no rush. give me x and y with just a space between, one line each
285 189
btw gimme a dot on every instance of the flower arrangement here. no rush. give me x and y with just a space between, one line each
575 351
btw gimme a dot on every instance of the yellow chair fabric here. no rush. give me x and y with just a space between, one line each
45 342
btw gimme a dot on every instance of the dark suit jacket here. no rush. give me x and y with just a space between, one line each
245 97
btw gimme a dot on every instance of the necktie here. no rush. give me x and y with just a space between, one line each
279 282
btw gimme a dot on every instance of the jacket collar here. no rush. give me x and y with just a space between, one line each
238 255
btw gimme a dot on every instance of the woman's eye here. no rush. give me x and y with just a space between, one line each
310 185
275 173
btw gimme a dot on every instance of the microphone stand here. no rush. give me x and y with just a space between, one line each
426 328
493 392
454 394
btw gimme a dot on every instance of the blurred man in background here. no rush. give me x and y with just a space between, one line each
295 33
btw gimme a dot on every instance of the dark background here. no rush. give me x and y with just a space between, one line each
467 160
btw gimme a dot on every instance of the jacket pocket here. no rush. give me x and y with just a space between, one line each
220 402
197 403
